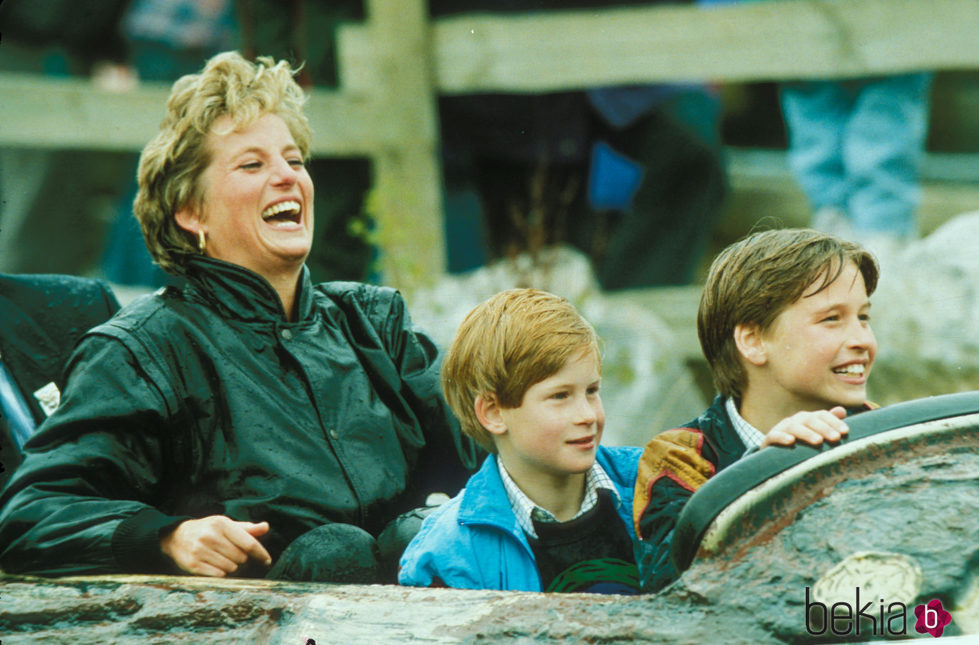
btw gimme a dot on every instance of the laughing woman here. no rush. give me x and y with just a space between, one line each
250 423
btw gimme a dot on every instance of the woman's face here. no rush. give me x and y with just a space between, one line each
257 207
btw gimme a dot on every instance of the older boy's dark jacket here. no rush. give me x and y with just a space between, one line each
206 401
41 319
673 466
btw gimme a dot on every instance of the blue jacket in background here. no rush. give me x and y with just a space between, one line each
473 541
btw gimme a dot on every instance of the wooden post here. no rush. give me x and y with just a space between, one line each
407 197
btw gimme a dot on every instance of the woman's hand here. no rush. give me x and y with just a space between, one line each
808 427
215 545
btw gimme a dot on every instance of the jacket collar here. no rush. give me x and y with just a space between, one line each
484 499
241 293
718 430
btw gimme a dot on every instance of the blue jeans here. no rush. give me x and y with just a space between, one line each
856 145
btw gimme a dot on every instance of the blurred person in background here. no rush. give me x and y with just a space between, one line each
165 39
856 146
57 202
631 175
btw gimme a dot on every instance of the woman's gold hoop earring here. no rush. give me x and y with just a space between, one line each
201 241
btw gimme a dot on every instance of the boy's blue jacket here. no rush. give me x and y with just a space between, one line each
473 541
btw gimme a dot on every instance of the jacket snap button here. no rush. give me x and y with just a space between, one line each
286 334
334 434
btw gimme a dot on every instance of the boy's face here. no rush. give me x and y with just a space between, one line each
557 427
820 348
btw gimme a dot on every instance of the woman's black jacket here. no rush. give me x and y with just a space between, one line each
206 400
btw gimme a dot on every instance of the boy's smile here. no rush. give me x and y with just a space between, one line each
818 352
552 437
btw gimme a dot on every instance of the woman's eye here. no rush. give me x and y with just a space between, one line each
593 389
832 318
251 165
559 395
297 163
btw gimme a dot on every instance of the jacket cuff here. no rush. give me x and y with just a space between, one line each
136 542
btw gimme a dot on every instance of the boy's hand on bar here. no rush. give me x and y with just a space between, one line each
809 427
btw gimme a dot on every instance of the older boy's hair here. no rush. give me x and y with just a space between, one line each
754 280
510 342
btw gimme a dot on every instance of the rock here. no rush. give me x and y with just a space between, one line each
926 315
646 386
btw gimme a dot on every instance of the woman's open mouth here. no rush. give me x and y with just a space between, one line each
281 214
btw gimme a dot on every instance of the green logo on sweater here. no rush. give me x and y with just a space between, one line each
605 575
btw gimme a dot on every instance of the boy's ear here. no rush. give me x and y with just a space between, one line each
748 340
488 411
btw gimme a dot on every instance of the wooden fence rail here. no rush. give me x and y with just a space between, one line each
394 65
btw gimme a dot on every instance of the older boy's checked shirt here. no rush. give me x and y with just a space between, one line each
527 511
750 435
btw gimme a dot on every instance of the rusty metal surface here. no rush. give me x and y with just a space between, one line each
775 503
756 476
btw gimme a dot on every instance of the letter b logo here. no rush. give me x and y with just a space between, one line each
932 618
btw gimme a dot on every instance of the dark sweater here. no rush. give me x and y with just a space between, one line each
590 554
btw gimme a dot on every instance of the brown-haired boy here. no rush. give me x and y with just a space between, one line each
784 322
550 509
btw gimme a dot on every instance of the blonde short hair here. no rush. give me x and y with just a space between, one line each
510 342
171 164
754 280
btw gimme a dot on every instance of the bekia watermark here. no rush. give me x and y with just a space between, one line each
867 594
875 617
